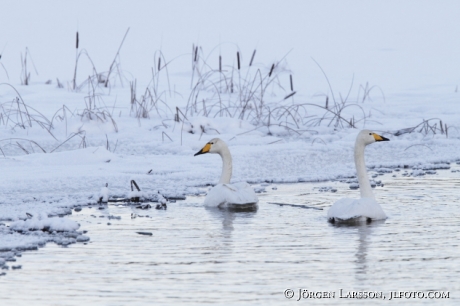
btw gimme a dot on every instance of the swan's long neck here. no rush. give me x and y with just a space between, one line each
364 184
226 166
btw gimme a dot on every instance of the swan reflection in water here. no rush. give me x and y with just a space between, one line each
364 231
227 217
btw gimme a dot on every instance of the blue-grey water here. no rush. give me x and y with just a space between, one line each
198 256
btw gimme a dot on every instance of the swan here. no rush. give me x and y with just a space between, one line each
225 195
366 208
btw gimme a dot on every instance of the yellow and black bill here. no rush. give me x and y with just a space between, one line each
205 149
378 137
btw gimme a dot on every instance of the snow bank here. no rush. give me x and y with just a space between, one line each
30 234
41 223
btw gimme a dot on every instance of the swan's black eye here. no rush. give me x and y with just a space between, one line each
370 134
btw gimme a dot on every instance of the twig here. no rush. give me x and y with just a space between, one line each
417 145
116 55
295 205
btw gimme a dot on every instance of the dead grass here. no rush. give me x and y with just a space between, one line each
16 114
25 70
431 126
95 108
97 78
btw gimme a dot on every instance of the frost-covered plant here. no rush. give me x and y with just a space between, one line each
93 111
4 69
17 114
343 112
25 73
248 92
427 127
154 98
98 78
261 95
79 53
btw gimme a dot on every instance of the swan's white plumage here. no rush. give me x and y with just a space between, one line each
224 194
366 207
356 209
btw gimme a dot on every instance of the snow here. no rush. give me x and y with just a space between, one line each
103 195
43 223
392 64
14 242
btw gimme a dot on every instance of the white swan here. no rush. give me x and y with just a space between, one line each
366 208
226 195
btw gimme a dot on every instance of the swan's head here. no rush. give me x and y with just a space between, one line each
215 145
367 137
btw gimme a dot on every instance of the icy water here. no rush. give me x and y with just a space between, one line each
197 256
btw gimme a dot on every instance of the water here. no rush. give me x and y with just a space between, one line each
197 255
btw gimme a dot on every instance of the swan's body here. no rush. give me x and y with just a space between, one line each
238 195
366 208
355 210
226 195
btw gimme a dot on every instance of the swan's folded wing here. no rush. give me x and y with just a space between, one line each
235 194
245 194
230 187
345 209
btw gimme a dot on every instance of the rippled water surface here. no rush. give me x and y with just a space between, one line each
197 255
